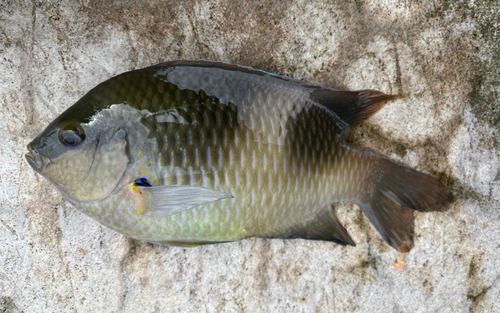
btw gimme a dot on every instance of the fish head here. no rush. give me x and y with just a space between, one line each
84 152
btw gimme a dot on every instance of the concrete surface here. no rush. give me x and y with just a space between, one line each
442 55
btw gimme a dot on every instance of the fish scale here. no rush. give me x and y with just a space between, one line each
257 154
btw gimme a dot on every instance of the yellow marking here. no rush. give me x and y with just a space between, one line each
136 194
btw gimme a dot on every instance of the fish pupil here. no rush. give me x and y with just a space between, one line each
142 182
70 141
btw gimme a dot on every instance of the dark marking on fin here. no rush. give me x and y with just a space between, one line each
352 107
324 226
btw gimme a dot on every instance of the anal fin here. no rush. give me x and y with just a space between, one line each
324 226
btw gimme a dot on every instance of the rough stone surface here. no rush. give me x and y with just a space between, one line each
442 55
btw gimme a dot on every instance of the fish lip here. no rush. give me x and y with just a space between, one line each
30 158
35 159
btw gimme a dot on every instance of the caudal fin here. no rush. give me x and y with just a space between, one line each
396 191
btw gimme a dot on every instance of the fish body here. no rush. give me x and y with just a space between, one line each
197 152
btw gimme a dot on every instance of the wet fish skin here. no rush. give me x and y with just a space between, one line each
273 149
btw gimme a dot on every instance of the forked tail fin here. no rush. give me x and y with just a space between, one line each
396 191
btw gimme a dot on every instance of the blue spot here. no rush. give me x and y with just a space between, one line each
142 182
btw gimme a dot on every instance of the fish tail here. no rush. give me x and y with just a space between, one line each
396 190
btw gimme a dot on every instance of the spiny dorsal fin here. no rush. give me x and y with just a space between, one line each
352 107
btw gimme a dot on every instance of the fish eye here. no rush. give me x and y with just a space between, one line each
71 134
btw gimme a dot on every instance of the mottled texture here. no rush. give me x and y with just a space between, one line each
442 55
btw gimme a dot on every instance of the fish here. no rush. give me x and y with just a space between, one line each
194 152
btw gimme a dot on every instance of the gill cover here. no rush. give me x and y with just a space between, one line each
108 166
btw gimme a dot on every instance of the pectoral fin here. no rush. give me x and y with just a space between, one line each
170 200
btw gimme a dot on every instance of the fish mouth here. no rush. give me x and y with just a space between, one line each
35 159
30 158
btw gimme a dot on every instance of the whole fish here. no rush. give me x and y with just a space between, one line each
197 152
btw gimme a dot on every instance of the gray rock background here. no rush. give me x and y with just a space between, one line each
442 55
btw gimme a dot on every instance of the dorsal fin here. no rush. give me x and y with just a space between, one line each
352 107
234 67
